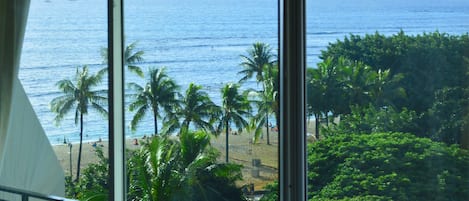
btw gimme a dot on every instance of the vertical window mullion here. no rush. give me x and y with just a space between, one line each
116 100
292 88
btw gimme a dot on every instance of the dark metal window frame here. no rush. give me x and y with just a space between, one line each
292 100
26 195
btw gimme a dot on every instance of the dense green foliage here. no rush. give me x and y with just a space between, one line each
166 169
426 61
424 75
336 86
93 183
272 192
393 166
369 119
184 169
449 115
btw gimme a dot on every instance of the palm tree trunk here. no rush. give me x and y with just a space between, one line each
277 111
227 127
267 128
185 124
464 138
156 122
317 124
80 147
327 120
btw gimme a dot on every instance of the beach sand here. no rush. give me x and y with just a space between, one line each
242 151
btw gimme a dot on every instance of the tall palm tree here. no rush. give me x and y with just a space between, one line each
261 61
265 102
259 56
79 96
160 92
197 108
130 58
235 107
316 100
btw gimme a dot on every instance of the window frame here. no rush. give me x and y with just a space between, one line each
292 60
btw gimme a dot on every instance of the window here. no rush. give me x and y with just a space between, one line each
85 41
197 53
386 84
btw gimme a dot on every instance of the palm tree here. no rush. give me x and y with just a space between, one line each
184 169
130 58
234 108
79 95
203 178
160 92
265 101
259 56
195 107
316 101
152 167
260 61
358 81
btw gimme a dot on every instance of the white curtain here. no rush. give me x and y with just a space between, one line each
27 160
13 15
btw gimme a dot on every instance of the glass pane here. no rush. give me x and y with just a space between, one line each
63 72
184 62
387 100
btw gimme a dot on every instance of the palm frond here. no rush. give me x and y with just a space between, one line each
61 106
138 117
135 69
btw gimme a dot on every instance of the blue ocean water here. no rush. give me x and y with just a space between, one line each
197 41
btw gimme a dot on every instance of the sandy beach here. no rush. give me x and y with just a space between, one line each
242 151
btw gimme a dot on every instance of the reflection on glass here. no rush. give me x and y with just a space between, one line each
202 90
65 78
387 100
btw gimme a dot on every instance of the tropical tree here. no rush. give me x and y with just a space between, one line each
195 107
272 78
393 166
259 56
265 102
184 169
325 89
79 95
235 107
94 182
160 92
260 62
315 100
152 176
358 81
130 58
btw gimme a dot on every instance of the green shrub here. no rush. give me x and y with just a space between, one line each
272 192
391 166
370 119
185 169
93 183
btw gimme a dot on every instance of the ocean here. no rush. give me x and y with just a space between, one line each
197 41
